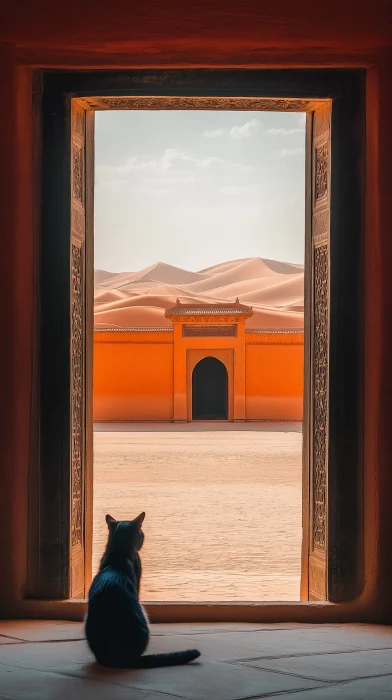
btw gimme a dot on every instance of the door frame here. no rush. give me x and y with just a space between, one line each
50 574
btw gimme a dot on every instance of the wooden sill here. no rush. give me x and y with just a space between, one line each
268 612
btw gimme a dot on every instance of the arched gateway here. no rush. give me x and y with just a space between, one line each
209 390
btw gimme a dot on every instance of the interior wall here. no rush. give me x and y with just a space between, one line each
210 33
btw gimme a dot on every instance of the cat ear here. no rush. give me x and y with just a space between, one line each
139 520
110 520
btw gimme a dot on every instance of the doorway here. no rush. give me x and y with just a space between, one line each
332 476
209 390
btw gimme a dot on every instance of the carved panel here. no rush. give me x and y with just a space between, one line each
217 103
317 580
78 224
321 171
320 426
78 173
209 331
78 123
77 378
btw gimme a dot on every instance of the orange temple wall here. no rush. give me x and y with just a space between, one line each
138 375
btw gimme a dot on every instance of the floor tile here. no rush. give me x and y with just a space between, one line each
364 689
41 631
330 667
202 628
10 640
277 643
53 656
226 648
324 662
206 680
25 684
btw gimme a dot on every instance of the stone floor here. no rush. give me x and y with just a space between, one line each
50 661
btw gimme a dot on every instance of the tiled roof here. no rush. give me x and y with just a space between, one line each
274 330
189 309
129 329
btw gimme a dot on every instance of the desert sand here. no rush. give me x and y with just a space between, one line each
275 290
222 502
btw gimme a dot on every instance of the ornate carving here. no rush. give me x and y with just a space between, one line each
321 169
77 374
78 172
317 580
78 224
263 104
78 122
321 225
189 331
320 375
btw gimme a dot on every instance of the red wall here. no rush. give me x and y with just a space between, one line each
160 33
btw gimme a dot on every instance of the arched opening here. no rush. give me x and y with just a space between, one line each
209 390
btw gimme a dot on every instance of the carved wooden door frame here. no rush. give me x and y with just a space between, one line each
61 474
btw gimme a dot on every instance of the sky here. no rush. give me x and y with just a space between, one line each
197 188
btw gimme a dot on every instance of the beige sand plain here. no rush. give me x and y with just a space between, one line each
275 290
222 502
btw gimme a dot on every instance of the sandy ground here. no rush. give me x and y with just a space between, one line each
222 502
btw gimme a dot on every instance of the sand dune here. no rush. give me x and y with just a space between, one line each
133 317
274 289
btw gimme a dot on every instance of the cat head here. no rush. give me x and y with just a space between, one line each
126 535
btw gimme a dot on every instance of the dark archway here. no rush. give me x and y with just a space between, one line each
209 390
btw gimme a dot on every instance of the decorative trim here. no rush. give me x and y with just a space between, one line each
276 342
78 173
320 394
269 331
77 375
210 318
321 175
192 331
208 311
216 103
127 329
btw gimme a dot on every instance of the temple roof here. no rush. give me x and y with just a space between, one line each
180 309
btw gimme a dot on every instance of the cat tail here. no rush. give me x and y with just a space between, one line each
174 658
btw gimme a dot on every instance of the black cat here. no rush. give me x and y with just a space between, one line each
116 624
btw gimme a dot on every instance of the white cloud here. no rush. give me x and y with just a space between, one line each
302 118
213 133
173 167
246 130
208 162
162 164
286 152
284 132
180 180
236 132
